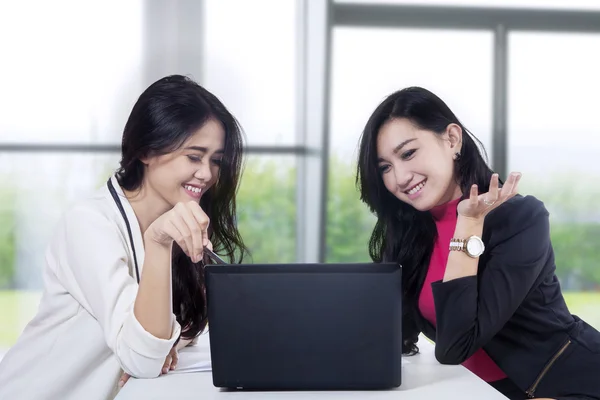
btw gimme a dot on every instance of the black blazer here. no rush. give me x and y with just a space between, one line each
515 311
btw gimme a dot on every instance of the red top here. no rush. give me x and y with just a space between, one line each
445 218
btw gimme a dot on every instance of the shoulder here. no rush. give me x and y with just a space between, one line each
518 213
88 237
91 216
520 223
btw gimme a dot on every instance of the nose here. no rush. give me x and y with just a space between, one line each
403 177
203 173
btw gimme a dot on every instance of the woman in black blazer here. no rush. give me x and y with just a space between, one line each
478 266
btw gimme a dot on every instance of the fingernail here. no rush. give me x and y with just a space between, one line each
121 383
165 370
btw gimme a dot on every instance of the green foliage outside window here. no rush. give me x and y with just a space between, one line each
267 221
7 236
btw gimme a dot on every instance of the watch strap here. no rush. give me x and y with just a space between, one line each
458 244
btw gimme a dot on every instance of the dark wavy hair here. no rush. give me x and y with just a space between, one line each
403 234
165 115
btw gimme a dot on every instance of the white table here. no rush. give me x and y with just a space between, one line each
422 378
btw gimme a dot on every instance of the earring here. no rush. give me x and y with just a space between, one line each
456 156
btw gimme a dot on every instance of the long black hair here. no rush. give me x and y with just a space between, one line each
166 114
402 233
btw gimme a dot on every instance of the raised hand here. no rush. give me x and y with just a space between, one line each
186 224
477 206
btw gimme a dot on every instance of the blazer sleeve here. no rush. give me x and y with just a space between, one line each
92 266
470 311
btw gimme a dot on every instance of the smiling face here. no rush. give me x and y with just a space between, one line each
417 166
188 172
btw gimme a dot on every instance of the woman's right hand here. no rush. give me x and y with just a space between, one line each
186 224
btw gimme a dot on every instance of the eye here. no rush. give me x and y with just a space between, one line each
383 169
194 158
408 154
217 162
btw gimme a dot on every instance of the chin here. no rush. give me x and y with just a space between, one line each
422 204
416 204
422 208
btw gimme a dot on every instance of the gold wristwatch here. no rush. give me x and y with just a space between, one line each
473 246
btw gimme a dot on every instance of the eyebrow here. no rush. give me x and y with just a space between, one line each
203 149
398 148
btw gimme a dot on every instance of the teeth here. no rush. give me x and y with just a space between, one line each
193 189
416 188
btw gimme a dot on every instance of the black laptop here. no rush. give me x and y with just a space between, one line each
305 326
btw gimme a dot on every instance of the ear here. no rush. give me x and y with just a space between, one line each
454 137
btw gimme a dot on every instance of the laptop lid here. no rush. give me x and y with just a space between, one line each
305 326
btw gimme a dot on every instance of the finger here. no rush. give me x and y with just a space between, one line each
509 187
124 378
195 229
184 225
203 221
172 230
493 192
515 186
167 364
473 199
185 236
175 356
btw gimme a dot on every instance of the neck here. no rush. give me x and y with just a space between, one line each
452 194
146 205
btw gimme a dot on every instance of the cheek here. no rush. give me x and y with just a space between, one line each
446 173
440 170
389 182
161 176
214 172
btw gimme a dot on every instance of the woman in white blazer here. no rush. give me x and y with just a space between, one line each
123 278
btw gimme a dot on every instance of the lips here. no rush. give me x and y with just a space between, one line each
194 192
192 188
417 188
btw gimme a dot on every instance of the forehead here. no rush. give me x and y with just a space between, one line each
210 135
397 130
394 132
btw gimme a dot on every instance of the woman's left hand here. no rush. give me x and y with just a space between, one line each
169 364
477 206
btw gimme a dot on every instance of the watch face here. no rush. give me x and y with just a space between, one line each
475 246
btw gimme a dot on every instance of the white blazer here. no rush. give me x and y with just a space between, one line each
85 333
